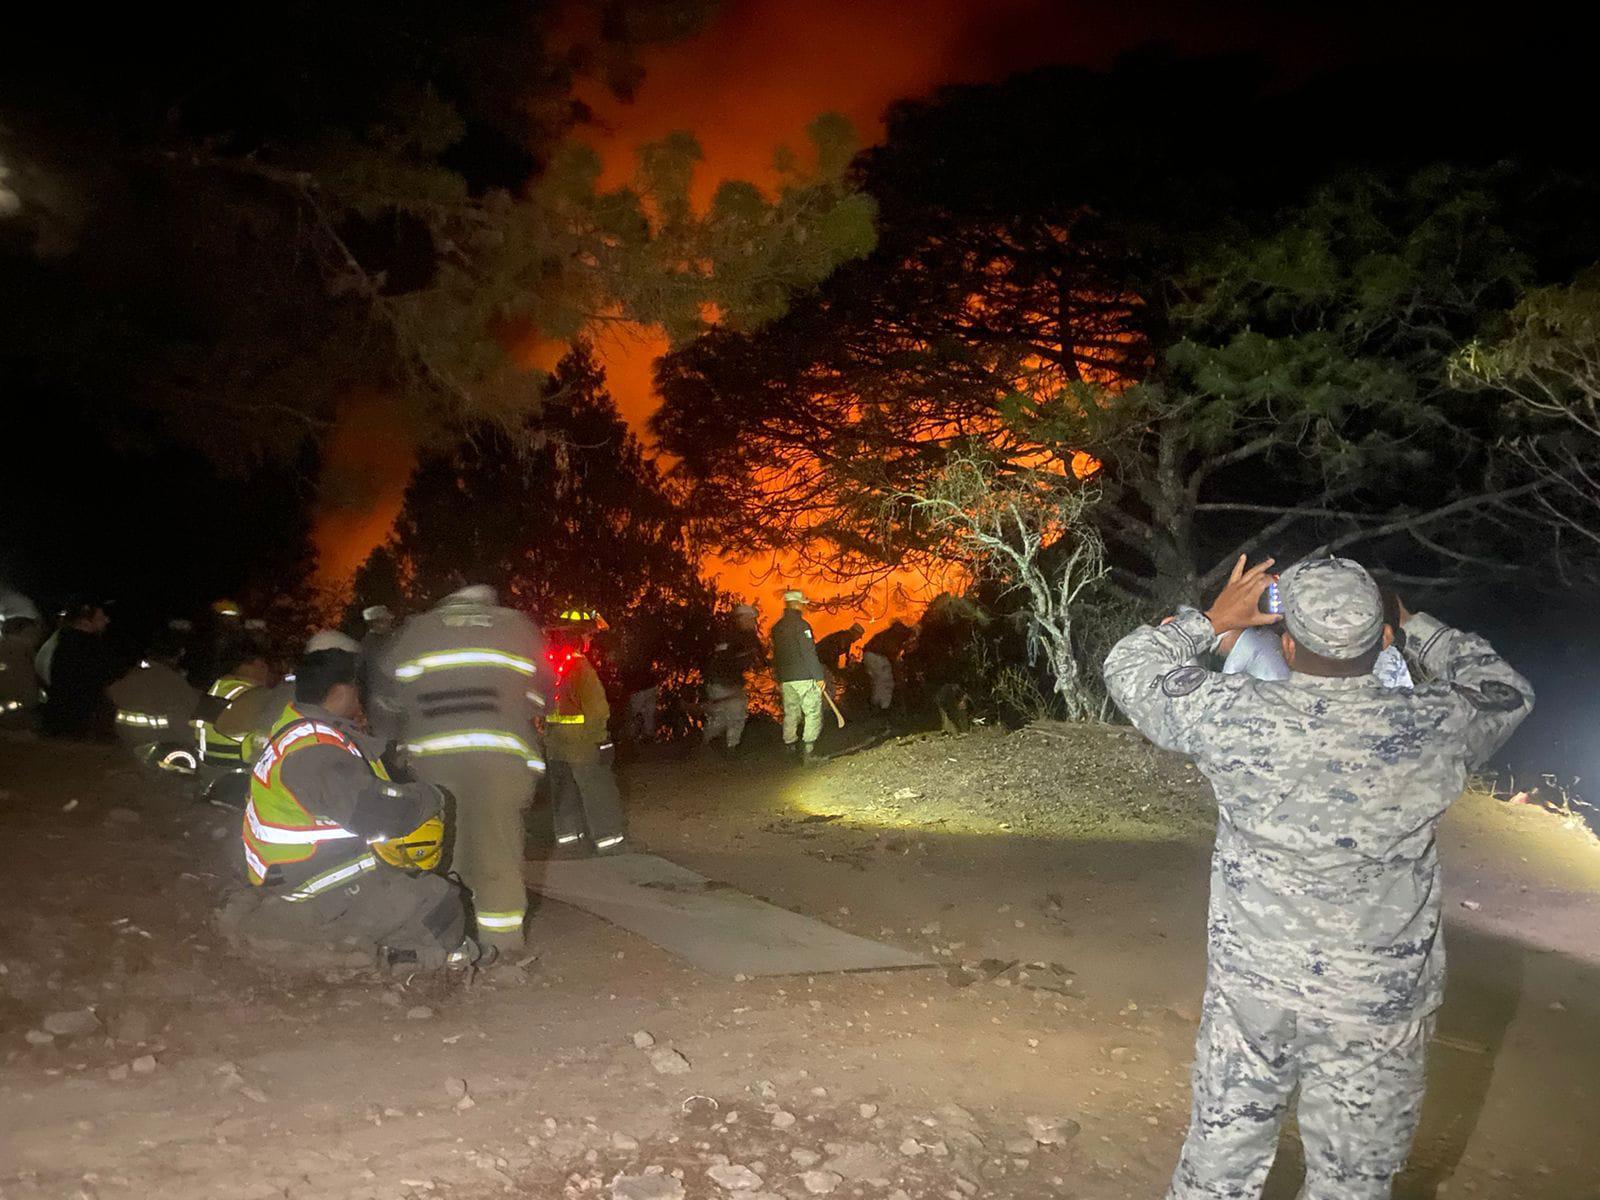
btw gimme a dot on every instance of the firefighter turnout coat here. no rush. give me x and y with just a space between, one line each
320 800
466 677
575 728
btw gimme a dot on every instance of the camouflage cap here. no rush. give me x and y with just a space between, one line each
1331 606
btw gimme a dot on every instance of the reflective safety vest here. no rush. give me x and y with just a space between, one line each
286 842
219 747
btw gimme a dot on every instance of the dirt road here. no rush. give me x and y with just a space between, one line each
206 1077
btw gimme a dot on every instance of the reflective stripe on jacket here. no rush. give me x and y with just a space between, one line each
219 746
576 726
307 852
465 678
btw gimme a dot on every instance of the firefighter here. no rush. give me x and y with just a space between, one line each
800 676
155 703
225 746
583 784
374 647
254 715
727 700
464 681
319 830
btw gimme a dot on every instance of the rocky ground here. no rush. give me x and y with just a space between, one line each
1057 876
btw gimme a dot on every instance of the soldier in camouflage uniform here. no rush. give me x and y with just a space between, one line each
1326 961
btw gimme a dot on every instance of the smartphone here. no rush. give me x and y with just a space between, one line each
1271 601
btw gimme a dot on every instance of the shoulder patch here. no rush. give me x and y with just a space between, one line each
1183 681
1494 695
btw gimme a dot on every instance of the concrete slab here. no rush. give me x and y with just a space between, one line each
709 924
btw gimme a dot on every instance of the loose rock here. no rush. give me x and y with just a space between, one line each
132 1025
867 1111
38 1037
419 1012
145 1064
643 1040
859 1161
646 1187
73 1023
820 1183
735 1177
624 1142
782 1119
669 1062
1052 1131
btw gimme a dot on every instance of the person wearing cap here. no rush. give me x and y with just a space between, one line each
727 698
1325 966
577 743
800 677
463 682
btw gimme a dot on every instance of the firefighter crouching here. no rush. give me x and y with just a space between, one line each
155 705
463 681
247 672
324 833
583 785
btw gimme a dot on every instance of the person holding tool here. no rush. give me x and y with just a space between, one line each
800 677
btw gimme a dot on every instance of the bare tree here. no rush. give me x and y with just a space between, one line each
1029 529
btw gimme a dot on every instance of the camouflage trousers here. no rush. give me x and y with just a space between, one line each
1360 1097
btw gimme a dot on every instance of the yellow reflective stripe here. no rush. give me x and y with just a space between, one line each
318 884
150 720
479 739
510 919
449 659
10 706
610 841
565 719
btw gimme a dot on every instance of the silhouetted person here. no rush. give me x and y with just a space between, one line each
80 669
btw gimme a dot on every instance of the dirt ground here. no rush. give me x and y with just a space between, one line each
1057 875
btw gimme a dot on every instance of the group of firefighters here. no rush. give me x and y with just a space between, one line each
359 767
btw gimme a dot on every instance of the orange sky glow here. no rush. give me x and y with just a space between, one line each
748 82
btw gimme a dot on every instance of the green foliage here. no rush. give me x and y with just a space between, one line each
391 196
575 515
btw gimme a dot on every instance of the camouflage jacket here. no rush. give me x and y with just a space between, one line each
1325 880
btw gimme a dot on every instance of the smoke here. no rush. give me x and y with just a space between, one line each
752 79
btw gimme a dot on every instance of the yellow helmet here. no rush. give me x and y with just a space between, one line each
418 851
580 618
227 608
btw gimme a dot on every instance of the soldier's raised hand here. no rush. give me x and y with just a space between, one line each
1237 606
